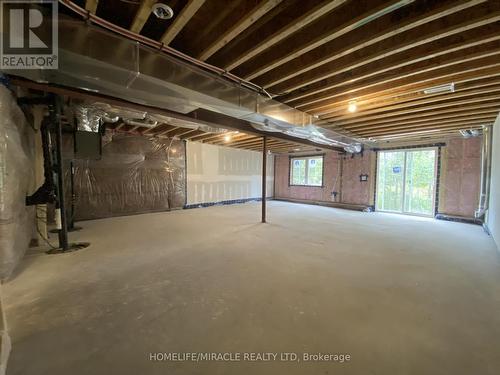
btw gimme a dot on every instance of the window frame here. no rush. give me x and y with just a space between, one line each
307 158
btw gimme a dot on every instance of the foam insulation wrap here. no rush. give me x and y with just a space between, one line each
16 182
136 174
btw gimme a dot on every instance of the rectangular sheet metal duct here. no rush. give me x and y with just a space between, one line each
96 60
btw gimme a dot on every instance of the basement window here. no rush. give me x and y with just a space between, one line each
306 171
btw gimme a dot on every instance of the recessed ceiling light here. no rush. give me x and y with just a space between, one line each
162 11
227 138
352 107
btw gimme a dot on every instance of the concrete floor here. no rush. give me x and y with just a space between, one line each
401 295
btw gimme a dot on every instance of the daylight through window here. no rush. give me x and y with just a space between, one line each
306 171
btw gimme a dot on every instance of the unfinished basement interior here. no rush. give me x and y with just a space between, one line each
250 187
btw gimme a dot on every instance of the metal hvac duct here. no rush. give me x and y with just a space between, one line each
139 74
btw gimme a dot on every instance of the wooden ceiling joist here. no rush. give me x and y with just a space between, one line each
371 106
432 124
469 64
321 56
408 63
489 101
437 126
349 53
443 99
369 76
181 20
413 84
287 30
142 15
476 79
349 16
462 115
189 136
260 9
237 138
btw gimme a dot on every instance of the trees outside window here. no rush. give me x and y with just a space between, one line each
306 171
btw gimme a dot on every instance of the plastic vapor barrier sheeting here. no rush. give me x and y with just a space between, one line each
136 174
16 182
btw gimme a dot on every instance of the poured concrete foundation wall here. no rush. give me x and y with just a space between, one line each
493 217
341 175
218 174
460 177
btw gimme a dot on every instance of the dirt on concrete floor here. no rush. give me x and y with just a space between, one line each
398 294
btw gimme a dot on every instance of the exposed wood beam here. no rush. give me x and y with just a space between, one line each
236 138
422 119
435 126
291 27
460 121
340 120
418 138
323 30
445 107
187 131
91 5
204 136
407 62
182 19
351 51
171 129
262 8
316 102
374 105
478 77
372 74
142 15
192 135
254 140
221 137
367 16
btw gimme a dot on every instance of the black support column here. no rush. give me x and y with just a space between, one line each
264 177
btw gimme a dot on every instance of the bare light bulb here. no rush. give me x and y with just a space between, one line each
352 107
227 138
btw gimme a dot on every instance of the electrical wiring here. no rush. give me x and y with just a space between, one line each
45 239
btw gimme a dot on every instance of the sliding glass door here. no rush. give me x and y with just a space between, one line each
406 181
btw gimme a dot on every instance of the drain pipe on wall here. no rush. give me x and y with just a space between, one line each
484 194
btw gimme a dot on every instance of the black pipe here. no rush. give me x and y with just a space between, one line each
55 117
46 192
